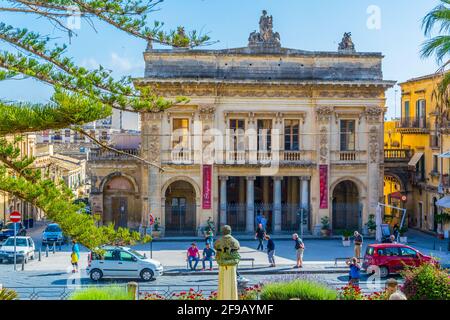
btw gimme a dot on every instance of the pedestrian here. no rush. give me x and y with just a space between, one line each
396 230
392 290
358 244
74 261
264 222
76 248
300 249
392 239
270 251
209 237
208 254
355 272
193 254
260 235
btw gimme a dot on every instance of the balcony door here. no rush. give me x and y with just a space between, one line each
291 135
421 113
264 135
347 135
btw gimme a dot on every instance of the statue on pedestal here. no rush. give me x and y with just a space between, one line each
347 45
227 258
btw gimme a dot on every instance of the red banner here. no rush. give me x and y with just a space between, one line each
207 186
323 170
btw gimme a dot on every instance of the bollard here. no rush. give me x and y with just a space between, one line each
60 246
46 251
133 288
23 263
54 247
39 255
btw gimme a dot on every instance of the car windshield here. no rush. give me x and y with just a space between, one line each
10 226
21 242
137 254
53 228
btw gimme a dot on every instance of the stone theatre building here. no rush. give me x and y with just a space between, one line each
287 133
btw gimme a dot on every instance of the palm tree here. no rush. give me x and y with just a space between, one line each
439 19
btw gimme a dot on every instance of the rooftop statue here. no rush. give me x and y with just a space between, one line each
265 36
347 43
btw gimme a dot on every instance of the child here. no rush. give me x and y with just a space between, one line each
74 260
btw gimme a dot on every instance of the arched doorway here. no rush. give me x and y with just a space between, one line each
119 201
346 207
180 209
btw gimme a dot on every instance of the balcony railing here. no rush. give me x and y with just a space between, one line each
398 155
99 154
240 157
348 156
413 122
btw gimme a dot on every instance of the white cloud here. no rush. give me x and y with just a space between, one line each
123 64
90 63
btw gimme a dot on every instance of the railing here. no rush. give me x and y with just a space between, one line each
65 292
240 157
99 154
413 122
400 155
348 156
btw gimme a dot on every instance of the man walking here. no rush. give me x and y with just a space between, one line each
300 249
358 244
260 235
270 251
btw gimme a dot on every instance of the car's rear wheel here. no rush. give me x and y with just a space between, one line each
96 275
384 272
147 274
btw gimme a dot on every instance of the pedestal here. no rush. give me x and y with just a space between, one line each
227 283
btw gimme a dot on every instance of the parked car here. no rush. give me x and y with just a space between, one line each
391 258
24 249
8 230
53 234
122 262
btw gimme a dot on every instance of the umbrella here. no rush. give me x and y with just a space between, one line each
378 222
445 155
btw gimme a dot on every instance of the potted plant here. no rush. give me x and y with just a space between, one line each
371 225
346 234
156 232
325 230
403 238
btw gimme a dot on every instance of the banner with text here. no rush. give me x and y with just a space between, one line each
323 170
207 186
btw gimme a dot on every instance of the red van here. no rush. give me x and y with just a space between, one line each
392 258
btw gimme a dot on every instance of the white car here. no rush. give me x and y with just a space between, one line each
122 262
24 249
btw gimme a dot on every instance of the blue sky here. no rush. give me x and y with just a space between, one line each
303 24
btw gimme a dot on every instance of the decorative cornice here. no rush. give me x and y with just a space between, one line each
267 90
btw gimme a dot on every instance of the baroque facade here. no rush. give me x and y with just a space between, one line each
291 134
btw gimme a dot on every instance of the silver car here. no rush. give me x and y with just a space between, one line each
122 262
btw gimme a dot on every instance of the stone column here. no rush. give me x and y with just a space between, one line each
250 219
223 200
304 197
277 204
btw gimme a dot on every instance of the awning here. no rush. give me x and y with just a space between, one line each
415 158
444 202
396 195
445 155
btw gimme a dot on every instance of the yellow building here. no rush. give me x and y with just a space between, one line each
10 203
415 139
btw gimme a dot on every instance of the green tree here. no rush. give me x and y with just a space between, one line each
439 45
80 96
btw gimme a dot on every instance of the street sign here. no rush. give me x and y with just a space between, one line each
403 198
15 216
